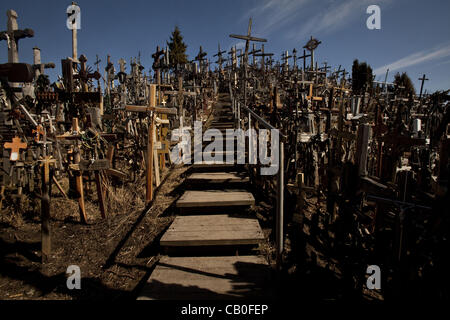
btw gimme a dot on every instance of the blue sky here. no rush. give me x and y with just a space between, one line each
414 35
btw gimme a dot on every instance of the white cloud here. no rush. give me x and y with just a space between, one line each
332 17
415 58
271 15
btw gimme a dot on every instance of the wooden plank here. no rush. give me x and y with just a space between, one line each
209 278
217 177
212 230
213 164
215 198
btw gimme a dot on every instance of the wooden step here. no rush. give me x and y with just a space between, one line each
215 198
214 165
212 278
212 230
217 177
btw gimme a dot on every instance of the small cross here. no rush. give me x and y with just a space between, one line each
39 131
15 147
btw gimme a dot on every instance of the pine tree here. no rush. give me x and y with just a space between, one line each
362 78
404 82
177 49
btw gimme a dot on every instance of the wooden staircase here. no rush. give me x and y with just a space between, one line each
213 221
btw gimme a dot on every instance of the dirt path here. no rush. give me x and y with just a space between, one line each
114 255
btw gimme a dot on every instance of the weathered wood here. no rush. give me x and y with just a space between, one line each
99 164
209 278
211 230
217 177
215 198
100 194
79 178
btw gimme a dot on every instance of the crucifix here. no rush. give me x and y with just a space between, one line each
263 55
109 74
219 57
152 159
311 45
201 58
247 39
13 35
156 67
253 52
304 59
285 57
423 79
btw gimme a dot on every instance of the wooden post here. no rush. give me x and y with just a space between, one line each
79 176
149 163
45 210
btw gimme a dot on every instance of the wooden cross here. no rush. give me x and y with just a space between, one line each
311 45
311 97
304 56
263 55
253 52
15 147
39 131
13 35
423 79
38 66
247 39
219 56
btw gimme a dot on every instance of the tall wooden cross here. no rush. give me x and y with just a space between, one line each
311 45
423 79
304 56
247 39
219 57
13 35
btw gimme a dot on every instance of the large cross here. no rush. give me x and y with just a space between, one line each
15 147
13 35
247 39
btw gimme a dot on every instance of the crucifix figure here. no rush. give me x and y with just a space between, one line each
13 35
